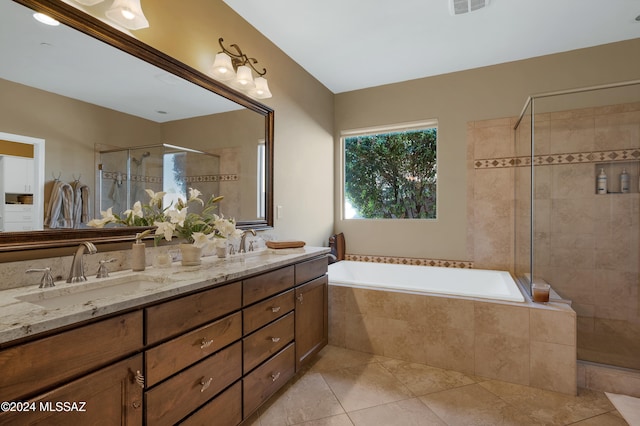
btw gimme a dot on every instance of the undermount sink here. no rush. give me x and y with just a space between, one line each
85 293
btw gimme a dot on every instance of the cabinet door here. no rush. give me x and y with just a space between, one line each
110 396
311 319
18 175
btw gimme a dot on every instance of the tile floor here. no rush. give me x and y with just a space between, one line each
348 388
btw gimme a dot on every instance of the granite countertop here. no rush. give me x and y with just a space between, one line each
27 311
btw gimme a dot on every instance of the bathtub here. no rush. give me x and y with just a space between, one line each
476 283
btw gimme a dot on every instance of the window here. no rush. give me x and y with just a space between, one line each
391 173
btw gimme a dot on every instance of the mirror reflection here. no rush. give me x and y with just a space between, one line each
99 126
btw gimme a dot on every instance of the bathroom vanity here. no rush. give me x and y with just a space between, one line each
169 346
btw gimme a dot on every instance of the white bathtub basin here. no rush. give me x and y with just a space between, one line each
84 293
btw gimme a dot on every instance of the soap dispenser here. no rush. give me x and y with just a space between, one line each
601 186
624 181
138 259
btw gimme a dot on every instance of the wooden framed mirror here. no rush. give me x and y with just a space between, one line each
229 102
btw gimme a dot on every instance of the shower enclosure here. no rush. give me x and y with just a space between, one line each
124 174
584 243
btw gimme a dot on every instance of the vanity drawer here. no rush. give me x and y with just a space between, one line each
177 316
225 408
264 312
174 355
175 398
267 284
267 341
314 268
265 380
33 366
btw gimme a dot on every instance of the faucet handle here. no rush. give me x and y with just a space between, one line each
103 272
47 278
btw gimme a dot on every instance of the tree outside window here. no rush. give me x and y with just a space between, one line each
391 175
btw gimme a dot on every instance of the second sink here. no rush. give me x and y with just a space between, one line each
81 294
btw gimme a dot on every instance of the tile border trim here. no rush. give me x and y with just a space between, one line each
551 159
463 264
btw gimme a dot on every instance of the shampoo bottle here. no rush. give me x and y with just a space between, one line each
601 187
624 181
138 259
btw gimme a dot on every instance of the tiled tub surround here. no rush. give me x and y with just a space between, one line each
588 245
523 343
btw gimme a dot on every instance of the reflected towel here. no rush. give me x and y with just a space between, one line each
80 213
60 209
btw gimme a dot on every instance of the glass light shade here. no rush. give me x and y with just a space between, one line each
244 78
127 14
89 2
46 19
261 91
222 68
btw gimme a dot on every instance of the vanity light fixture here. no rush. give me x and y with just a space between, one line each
236 70
45 19
89 2
128 14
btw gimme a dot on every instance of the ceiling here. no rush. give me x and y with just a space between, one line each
355 44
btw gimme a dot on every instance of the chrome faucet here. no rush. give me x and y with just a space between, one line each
76 273
243 239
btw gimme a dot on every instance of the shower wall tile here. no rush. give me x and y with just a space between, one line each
493 139
601 278
621 129
571 180
574 134
542 135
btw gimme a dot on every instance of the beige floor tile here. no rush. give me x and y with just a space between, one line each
307 398
365 386
408 412
335 358
423 379
339 420
551 407
607 419
474 405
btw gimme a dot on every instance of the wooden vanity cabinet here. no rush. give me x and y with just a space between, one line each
210 357
108 396
311 311
29 368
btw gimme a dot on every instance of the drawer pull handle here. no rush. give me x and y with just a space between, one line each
205 385
275 309
205 343
275 377
300 298
139 379
275 339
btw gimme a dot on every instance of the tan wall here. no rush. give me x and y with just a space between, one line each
455 99
303 107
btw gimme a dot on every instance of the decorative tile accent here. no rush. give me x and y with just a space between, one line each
568 158
188 179
410 261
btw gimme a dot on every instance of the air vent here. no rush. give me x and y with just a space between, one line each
459 7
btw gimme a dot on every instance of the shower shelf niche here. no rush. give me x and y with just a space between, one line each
613 170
